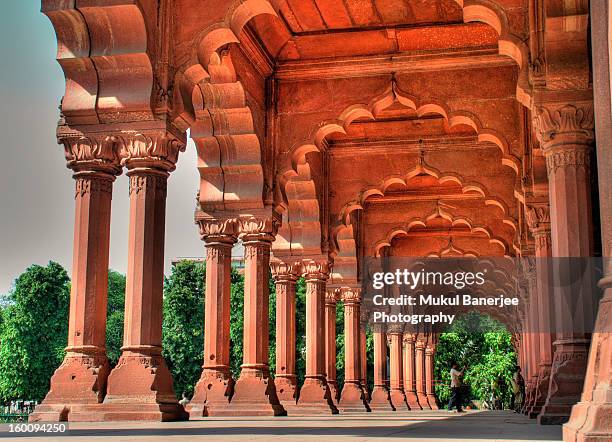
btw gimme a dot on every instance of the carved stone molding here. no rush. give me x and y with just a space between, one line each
215 229
350 295
267 225
142 181
558 124
285 271
538 216
157 149
568 158
97 152
93 183
332 296
315 269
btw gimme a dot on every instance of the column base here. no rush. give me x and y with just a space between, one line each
287 389
380 399
540 392
334 392
315 398
590 421
422 397
80 380
398 399
214 390
413 401
352 398
140 388
254 395
433 402
566 381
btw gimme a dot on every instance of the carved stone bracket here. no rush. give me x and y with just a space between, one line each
157 149
90 152
315 269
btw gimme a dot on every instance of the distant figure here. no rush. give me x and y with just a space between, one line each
518 390
455 398
185 400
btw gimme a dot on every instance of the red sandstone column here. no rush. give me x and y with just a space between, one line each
363 353
566 134
352 398
538 218
285 276
398 398
532 335
410 372
255 390
315 396
430 378
81 379
140 386
591 420
420 374
215 387
331 298
380 394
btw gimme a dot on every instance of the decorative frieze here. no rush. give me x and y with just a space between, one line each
88 184
146 181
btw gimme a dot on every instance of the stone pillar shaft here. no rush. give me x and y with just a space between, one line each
285 276
566 133
315 395
430 378
420 374
398 398
330 344
140 386
81 379
215 387
352 397
255 390
380 394
410 373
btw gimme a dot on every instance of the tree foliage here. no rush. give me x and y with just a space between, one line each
35 332
183 324
115 315
484 346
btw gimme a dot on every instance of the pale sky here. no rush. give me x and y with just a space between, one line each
36 188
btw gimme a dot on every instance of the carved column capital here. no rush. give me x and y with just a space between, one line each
259 227
217 230
90 152
150 148
315 269
408 338
350 295
285 271
564 123
332 296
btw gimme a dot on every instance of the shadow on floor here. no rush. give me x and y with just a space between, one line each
485 426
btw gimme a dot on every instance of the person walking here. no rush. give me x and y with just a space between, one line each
518 390
455 398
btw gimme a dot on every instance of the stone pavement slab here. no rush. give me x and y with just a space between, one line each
422 426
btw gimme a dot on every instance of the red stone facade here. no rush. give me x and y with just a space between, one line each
326 132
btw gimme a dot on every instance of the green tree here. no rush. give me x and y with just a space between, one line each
183 324
236 322
115 315
35 332
484 346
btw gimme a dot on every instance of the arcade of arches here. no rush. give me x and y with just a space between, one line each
328 131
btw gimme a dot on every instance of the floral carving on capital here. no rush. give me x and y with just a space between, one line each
283 271
350 295
91 152
159 149
538 216
554 121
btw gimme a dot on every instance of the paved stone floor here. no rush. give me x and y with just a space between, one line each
439 426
